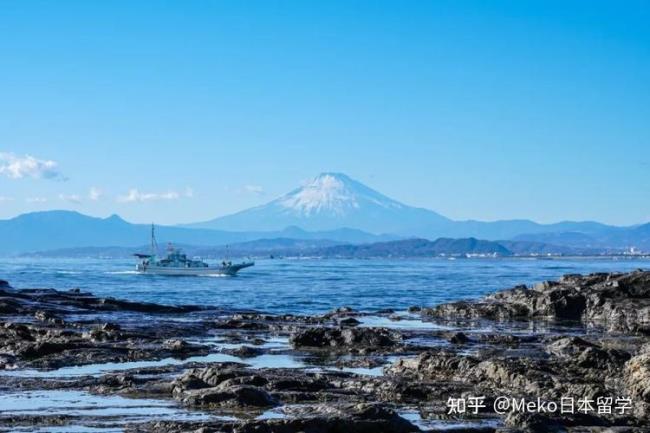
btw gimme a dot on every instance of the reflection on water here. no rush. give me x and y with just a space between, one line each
262 361
437 425
90 409
68 429
404 322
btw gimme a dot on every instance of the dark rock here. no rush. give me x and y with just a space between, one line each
231 396
102 333
533 423
246 352
586 354
207 377
434 365
506 339
181 348
360 362
345 338
241 324
459 338
637 382
359 418
37 350
9 306
618 301
349 322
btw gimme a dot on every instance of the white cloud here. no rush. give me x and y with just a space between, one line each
5 198
18 167
72 198
36 200
253 189
95 193
134 195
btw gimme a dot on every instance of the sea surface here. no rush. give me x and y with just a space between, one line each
309 285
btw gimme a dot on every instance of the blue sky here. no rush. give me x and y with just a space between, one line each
183 111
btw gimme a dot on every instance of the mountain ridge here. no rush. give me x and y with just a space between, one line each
331 207
47 230
329 201
334 199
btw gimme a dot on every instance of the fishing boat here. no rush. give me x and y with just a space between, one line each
177 263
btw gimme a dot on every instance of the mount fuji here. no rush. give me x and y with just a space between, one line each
331 209
333 201
328 202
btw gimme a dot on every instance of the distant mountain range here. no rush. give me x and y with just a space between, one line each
328 202
331 208
334 200
40 231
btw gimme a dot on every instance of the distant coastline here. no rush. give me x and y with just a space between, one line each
407 248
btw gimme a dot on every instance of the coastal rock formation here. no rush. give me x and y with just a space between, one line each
370 339
29 301
582 337
325 418
637 381
620 302
36 334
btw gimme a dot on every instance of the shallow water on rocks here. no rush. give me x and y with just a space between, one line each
278 286
262 361
426 424
405 322
88 412
67 429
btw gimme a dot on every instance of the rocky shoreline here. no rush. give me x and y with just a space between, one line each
582 339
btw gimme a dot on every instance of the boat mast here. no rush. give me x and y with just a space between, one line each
154 245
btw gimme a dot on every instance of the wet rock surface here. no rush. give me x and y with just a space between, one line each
346 339
617 302
189 369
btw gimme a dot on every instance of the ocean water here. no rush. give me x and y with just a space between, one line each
308 285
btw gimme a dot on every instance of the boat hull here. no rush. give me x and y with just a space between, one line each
173 271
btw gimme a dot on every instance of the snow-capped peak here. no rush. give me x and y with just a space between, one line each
332 201
326 192
332 193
